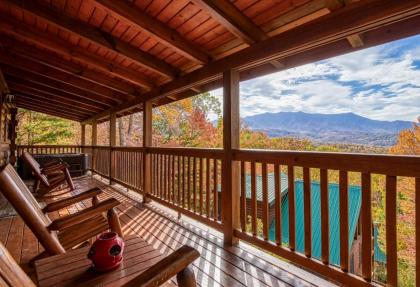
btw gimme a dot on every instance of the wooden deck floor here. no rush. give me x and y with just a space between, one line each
218 265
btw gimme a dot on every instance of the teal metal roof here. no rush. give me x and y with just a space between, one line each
270 186
379 255
354 193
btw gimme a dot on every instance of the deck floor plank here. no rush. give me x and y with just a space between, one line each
218 265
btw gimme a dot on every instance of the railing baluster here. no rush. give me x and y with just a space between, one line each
178 166
307 210
200 186
215 191
183 182
366 227
291 194
243 197
265 215
391 231
253 200
194 205
208 187
325 227
189 183
173 178
277 210
344 221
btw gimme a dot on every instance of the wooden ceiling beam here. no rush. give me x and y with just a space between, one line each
53 107
56 62
19 30
4 89
54 101
51 104
95 36
361 17
41 109
23 88
44 81
235 21
356 40
227 14
99 94
34 87
29 88
127 12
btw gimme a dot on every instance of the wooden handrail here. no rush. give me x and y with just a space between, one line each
190 181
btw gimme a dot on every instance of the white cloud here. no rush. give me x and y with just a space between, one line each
380 83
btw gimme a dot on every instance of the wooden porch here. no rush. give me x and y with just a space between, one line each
219 265
96 61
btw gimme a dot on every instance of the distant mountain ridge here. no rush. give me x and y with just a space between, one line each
331 128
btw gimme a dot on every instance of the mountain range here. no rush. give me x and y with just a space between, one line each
328 128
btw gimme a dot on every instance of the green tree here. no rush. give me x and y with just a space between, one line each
37 128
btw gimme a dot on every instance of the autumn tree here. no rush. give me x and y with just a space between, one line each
408 141
37 128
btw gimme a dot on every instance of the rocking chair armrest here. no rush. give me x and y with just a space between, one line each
59 204
54 168
85 214
174 264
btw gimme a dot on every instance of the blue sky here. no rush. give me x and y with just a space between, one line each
381 83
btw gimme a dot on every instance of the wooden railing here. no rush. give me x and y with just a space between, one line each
48 149
323 165
190 181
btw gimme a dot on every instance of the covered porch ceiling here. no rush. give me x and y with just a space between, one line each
82 60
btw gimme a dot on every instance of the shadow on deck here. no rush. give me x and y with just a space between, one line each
218 265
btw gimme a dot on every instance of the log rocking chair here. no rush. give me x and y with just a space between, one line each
49 176
64 233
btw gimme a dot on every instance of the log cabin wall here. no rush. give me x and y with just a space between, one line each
4 140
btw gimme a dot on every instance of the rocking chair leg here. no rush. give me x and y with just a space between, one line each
114 222
69 179
36 185
186 278
95 200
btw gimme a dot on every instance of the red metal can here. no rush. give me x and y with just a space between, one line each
106 253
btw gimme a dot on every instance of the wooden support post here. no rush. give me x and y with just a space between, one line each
147 142
230 168
83 137
12 135
112 143
94 142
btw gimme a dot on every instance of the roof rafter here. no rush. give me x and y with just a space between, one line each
56 62
22 88
100 38
29 87
360 17
236 22
101 93
35 78
41 109
33 35
129 13
233 19
52 104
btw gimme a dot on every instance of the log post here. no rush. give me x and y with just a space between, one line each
147 142
230 168
112 143
94 142
12 136
82 137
